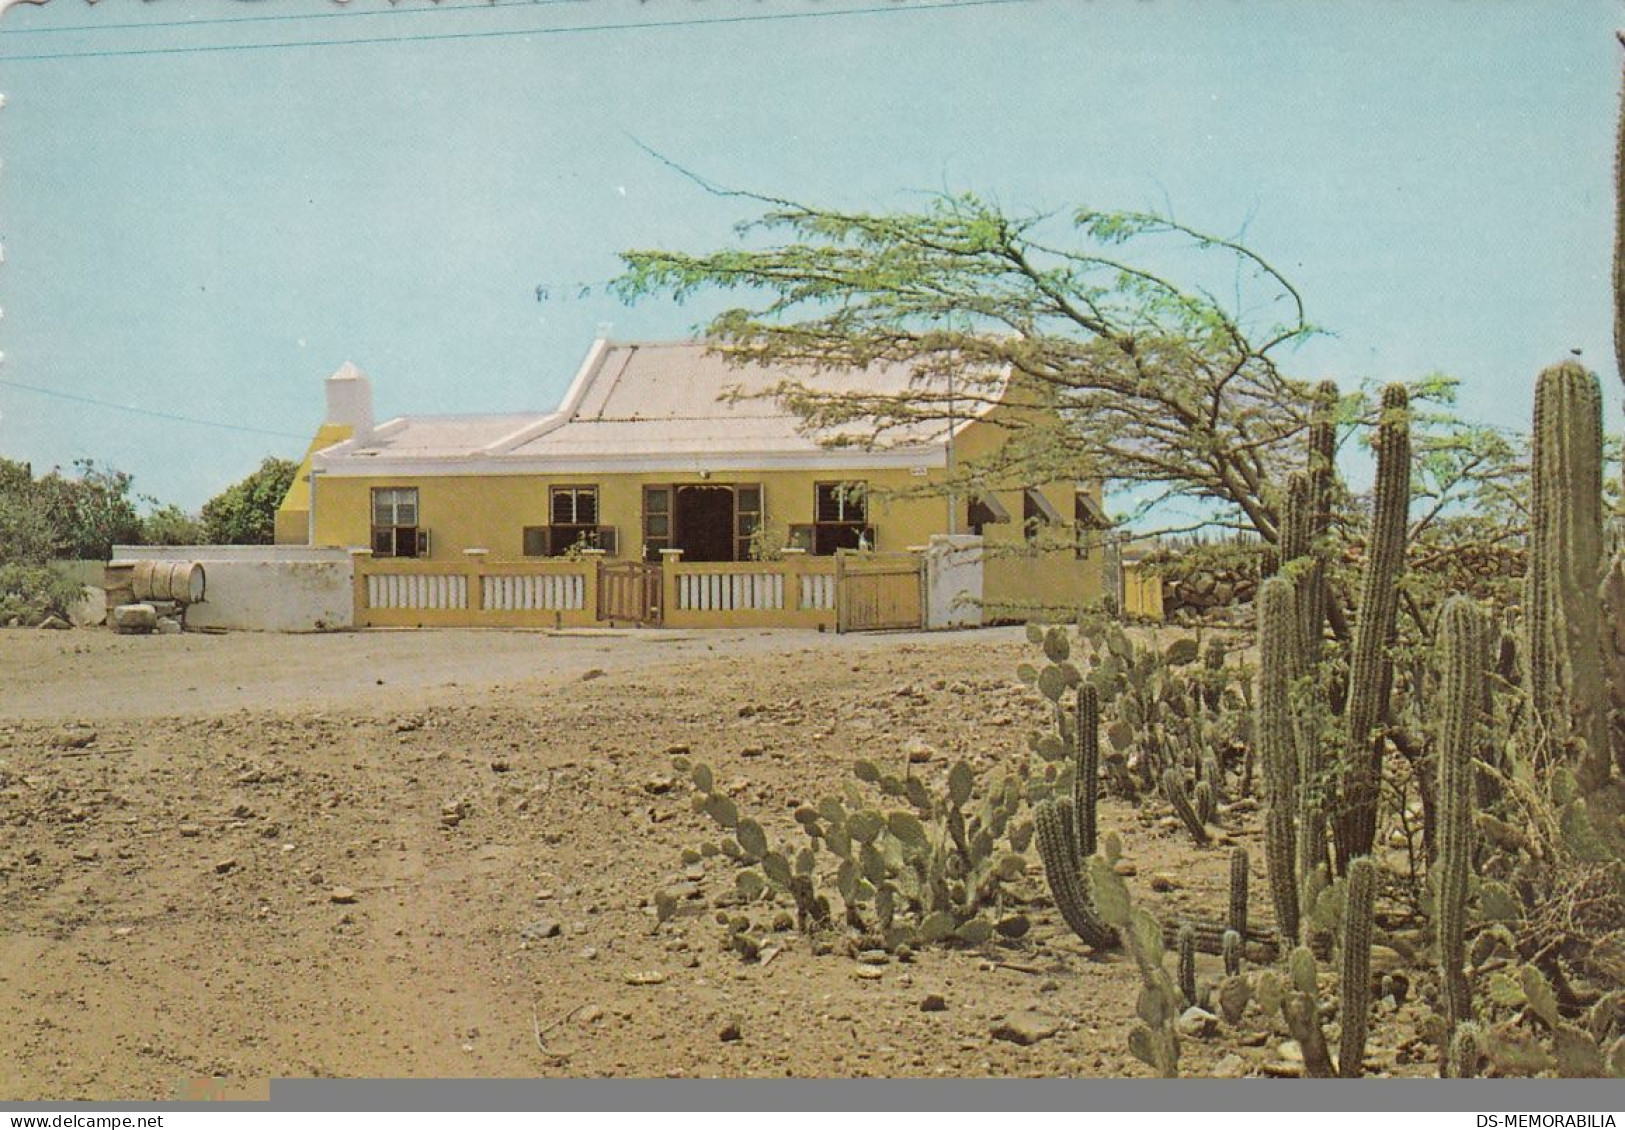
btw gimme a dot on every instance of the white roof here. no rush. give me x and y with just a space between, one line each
656 406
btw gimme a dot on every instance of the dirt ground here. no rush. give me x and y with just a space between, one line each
236 857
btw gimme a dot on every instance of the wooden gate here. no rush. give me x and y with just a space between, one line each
629 593
879 591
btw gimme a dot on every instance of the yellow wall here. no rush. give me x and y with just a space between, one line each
491 512
293 514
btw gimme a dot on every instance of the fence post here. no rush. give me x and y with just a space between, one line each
360 559
474 571
670 560
840 591
795 567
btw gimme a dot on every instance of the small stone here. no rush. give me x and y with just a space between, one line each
677 749
1124 867
1290 1051
1197 1023
86 854
920 753
1231 1066
1026 1027
190 831
590 1014
658 785
221 866
934 1002
341 895
874 957
593 673
645 977
73 737
169 626
54 624
1164 883
684 890
133 618
730 1032
753 751
541 928
868 973
589 953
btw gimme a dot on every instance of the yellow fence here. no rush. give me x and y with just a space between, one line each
395 593
798 592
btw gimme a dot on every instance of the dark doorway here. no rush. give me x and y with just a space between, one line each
704 529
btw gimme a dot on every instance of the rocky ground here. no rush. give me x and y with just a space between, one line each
434 854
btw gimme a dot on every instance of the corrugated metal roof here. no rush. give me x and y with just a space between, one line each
441 436
653 400
684 397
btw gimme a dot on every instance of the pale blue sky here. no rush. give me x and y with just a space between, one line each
210 233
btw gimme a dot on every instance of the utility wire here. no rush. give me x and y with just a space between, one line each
487 6
149 411
509 33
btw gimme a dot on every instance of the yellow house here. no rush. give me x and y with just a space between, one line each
665 453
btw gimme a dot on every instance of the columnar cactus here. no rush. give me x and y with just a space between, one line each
1463 632
1238 892
1356 983
1173 787
1567 690
1233 948
1278 639
1369 667
1322 471
1187 964
1055 824
1466 1051
1086 769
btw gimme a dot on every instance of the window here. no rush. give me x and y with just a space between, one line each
984 510
573 524
395 530
656 521
747 518
1036 513
1088 518
840 512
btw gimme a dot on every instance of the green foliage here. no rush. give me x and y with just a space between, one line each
1154 1040
1154 380
245 512
30 593
170 525
55 518
1167 709
932 872
61 517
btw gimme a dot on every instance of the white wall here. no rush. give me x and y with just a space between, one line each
953 581
263 588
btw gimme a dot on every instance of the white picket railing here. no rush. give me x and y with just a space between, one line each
526 592
729 591
428 591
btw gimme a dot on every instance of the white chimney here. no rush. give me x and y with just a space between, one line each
349 400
